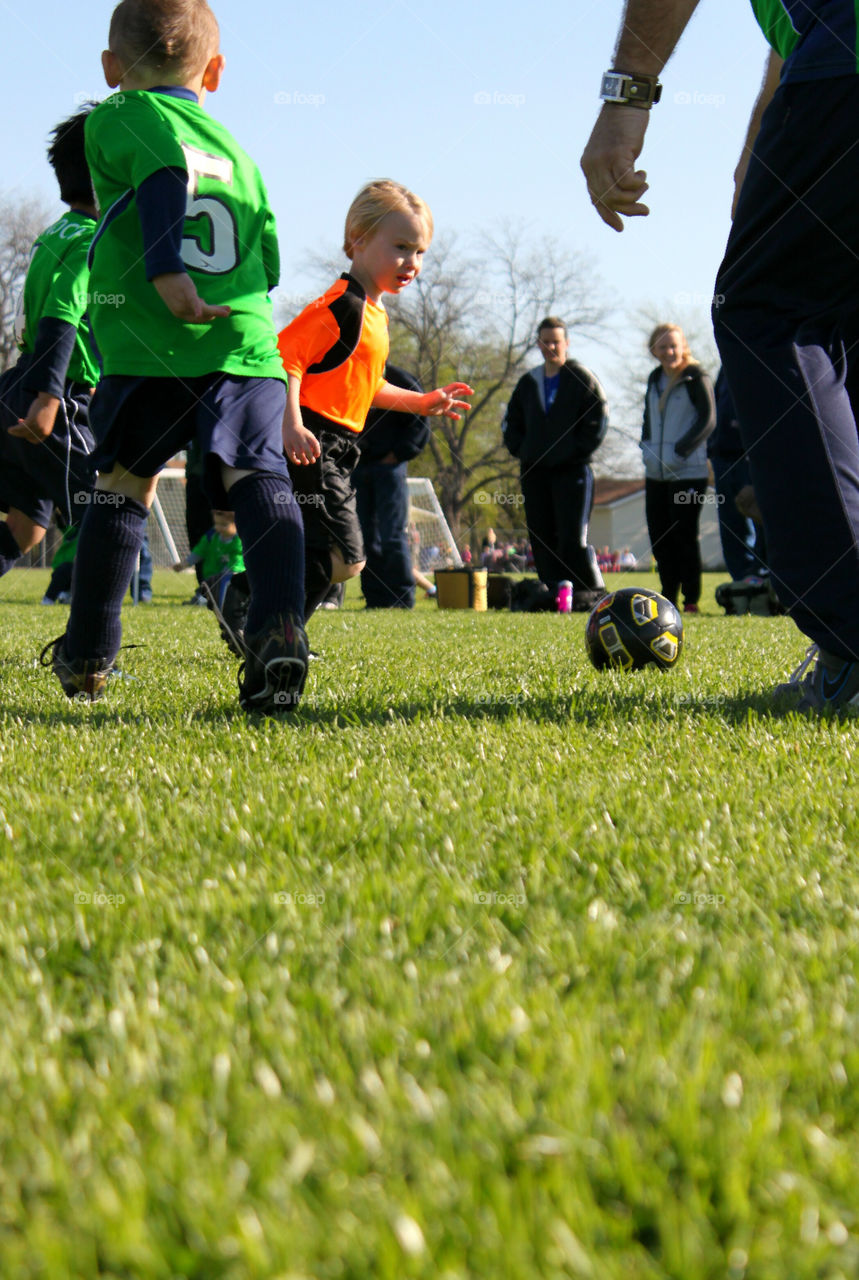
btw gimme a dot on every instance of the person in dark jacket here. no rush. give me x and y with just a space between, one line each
555 421
388 443
679 415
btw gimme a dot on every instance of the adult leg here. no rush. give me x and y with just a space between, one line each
737 533
661 515
540 518
392 509
789 279
573 498
372 582
688 546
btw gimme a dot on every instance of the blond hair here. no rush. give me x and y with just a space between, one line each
660 332
373 203
176 36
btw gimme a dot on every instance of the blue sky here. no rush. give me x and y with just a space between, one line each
480 107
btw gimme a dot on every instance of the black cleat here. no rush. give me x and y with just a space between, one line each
272 676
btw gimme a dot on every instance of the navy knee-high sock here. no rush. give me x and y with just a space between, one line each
9 549
269 524
107 551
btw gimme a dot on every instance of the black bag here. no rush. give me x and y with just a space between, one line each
499 591
532 596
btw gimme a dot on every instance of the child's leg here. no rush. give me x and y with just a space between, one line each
269 524
18 535
109 544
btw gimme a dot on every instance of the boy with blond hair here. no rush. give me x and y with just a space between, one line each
187 234
334 353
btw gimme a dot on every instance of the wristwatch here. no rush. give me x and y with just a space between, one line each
630 90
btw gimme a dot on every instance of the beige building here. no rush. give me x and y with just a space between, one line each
617 521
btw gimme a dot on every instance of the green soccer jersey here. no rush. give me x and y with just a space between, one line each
57 287
218 556
229 245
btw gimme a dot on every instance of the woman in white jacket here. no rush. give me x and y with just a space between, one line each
679 415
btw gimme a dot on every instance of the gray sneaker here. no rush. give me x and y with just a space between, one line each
829 687
272 676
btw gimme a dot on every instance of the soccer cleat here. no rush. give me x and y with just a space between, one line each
272 676
831 686
81 678
691 608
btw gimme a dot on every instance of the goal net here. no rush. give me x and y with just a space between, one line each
430 537
168 539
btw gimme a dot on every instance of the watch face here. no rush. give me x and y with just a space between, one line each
612 85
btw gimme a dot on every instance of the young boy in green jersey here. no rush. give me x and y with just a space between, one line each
45 440
187 241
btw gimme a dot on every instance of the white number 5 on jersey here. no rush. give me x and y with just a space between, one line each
212 245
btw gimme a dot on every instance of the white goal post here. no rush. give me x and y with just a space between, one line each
432 542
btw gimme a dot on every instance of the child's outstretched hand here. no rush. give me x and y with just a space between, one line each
179 295
299 444
40 419
443 402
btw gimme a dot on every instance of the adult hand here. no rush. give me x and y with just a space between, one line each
608 163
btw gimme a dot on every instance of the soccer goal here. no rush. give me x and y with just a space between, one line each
432 542
168 539
430 536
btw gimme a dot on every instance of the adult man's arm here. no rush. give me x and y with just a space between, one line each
648 36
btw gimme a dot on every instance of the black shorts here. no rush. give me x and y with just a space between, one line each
325 494
59 472
141 423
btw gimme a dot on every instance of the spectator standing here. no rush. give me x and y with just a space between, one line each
679 415
555 421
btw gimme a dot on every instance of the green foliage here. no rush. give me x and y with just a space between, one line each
482 965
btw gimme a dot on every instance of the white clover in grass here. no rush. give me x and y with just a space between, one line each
519 1020
809 1224
366 1135
324 1091
837 1233
409 1234
267 1080
221 1067
732 1090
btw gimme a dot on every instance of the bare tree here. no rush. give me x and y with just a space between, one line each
472 315
21 220
620 456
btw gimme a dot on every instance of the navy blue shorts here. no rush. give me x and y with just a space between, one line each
324 491
59 472
141 423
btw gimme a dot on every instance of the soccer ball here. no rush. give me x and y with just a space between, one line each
633 628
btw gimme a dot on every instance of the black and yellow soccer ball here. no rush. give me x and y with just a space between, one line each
633 628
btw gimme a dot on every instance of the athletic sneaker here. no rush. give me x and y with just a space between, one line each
81 678
272 676
831 686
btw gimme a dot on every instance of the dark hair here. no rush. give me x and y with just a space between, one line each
551 322
68 158
172 35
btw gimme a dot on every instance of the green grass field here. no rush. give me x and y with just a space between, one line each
484 965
